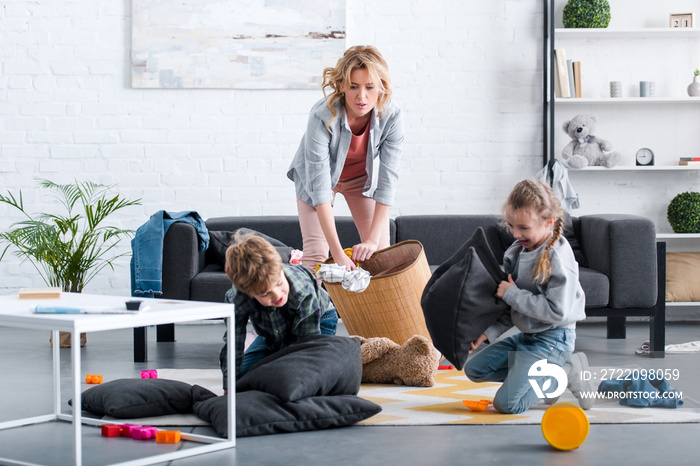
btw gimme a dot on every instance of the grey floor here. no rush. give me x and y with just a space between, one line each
26 391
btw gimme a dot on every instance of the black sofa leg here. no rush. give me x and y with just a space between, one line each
657 324
617 327
165 332
140 344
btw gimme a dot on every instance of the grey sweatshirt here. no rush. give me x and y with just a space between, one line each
535 307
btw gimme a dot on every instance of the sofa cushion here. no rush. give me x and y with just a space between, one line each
317 365
458 301
440 235
219 241
211 284
260 413
596 287
285 228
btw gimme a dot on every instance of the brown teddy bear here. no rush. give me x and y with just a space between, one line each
414 363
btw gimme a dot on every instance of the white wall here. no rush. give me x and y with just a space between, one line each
467 73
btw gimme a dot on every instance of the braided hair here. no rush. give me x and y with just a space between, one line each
535 195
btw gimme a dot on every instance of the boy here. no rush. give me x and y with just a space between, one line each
283 302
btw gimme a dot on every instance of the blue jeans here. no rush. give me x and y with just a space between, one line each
509 361
258 349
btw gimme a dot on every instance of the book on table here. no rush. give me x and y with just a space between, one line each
52 292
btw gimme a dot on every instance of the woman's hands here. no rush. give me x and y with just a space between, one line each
342 259
364 250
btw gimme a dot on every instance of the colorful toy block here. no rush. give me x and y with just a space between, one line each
93 378
168 436
111 430
127 429
143 432
149 374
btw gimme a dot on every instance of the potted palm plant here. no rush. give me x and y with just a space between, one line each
70 249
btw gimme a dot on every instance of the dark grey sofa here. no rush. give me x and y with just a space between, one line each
621 277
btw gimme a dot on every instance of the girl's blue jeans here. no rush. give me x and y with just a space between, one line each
509 360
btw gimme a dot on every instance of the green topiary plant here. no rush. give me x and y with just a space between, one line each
684 213
586 14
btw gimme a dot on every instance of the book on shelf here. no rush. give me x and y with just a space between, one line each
570 73
39 293
690 159
689 162
577 78
562 73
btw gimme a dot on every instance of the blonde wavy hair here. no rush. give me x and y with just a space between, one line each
539 197
252 264
337 79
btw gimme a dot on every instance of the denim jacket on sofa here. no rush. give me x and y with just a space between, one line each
147 250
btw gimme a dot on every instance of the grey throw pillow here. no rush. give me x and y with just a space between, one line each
132 398
317 365
259 413
219 241
458 301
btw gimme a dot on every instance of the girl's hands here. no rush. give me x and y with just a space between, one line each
504 285
475 344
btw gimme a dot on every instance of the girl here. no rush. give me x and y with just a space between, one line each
352 146
545 298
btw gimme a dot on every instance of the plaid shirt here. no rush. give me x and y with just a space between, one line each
281 326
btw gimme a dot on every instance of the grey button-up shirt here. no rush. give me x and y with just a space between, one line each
320 158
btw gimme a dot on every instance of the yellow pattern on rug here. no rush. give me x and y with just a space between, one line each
442 404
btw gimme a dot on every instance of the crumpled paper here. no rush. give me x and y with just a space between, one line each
352 280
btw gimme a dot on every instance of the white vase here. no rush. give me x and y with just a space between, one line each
694 87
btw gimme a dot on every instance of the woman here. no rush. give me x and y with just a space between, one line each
352 146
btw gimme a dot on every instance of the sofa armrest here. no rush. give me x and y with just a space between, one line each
623 247
182 260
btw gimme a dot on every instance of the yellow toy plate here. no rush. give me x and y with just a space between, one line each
565 426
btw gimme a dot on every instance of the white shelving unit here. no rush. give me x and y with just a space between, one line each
666 122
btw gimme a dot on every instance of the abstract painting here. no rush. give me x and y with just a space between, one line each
235 44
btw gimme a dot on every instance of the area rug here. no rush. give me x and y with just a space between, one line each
442 404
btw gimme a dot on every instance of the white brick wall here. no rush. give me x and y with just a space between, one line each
466 73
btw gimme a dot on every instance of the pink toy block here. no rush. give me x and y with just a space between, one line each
149 374
111 430
143 432
127 429
93 378
168 436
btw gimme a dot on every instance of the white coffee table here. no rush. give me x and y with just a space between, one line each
19 314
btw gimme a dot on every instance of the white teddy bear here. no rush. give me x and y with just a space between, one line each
585 149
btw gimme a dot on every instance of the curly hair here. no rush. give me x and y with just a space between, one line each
252 263
337 78
530 194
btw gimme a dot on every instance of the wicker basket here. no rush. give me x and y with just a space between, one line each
390 306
